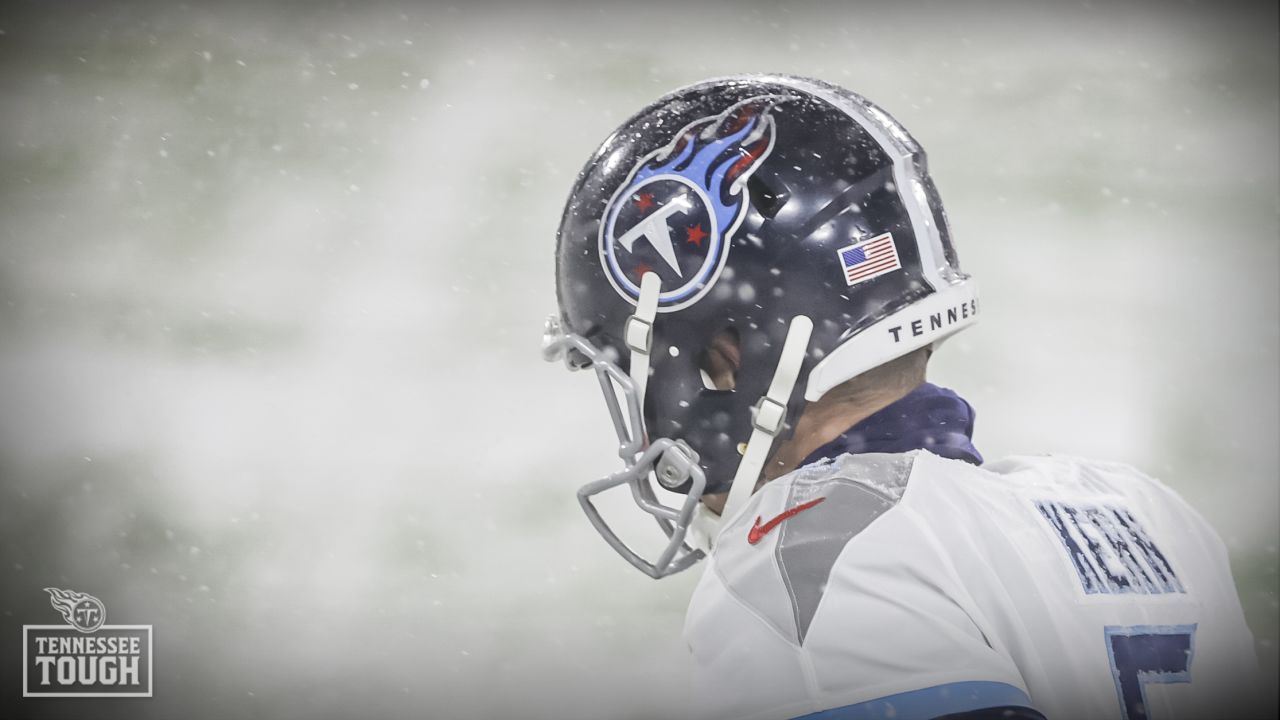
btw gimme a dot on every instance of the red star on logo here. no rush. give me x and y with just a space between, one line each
644 201
695 234
641 269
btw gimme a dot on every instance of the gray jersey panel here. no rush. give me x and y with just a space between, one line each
856 489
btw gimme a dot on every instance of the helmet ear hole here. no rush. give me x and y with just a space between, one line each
721 360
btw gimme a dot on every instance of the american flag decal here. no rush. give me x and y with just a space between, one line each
869 259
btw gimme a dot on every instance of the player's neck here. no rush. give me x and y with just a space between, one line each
825 420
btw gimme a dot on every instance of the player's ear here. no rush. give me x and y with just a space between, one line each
721 360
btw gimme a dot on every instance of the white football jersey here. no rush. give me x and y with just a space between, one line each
908 585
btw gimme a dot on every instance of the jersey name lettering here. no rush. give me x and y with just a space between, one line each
1110 550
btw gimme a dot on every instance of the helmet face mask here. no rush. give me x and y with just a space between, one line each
671 462
754 200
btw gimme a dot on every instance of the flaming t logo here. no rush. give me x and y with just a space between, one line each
82 611
678 209
654 229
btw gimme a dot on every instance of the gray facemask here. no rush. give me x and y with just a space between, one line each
668 462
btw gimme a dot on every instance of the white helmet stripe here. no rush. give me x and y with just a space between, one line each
901 147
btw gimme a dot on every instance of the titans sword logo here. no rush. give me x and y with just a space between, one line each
676 213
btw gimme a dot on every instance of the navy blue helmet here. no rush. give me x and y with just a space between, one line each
762 207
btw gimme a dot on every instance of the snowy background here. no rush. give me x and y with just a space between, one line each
272 280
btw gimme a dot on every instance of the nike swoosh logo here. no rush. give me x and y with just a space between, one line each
758 531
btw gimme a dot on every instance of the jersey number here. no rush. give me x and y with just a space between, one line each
1145 654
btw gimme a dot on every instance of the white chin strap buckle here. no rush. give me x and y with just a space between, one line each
768 416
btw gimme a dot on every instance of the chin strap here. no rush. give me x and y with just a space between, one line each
639 333
703 528
769 415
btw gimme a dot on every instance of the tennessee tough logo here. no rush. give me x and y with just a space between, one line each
676 213
86 657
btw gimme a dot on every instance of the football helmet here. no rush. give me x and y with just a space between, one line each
791 213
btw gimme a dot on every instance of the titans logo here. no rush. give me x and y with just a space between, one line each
676 213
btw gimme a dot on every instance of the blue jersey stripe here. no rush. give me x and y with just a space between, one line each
930 702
